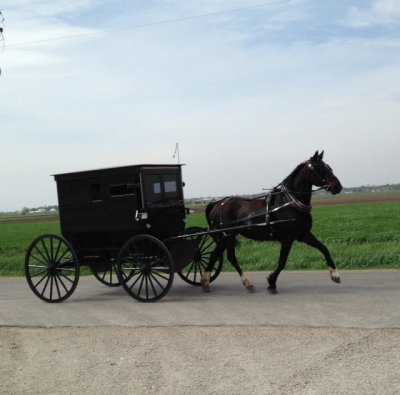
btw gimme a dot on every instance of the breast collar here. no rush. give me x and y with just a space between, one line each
296 203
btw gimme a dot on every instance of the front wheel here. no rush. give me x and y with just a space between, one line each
195 268
145 268
106 273
51 268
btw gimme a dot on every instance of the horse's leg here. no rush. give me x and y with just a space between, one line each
215 255
231 255
312 241
286 245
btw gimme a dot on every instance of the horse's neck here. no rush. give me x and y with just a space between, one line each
300 186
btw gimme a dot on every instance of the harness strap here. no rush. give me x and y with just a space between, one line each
296 202
280 189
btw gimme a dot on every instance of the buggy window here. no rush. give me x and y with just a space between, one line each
161 187
122 190
171 187
153 188
96 193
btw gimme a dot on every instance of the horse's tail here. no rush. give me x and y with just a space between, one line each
210 220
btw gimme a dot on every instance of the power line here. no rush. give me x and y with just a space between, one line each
158 23
27 5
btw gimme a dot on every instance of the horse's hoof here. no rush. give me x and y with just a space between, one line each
250 287
335 277
206 288
272 291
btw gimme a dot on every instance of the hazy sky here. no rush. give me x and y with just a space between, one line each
248 92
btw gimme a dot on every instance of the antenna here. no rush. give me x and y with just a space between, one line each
176 153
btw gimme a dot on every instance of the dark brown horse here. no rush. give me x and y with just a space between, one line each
283 215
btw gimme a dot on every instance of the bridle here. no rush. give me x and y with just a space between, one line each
325 183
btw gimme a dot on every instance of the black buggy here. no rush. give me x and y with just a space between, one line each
127 224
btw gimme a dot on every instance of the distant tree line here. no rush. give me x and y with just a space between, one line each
41 209
374 188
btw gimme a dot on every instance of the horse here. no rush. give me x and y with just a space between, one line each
283 215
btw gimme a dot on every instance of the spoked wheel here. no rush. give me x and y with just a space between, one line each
193 271
51 268
106 273
145 268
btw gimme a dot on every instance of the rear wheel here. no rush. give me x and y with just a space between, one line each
193 271
145 268
51 268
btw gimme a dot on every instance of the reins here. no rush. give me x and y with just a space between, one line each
290 191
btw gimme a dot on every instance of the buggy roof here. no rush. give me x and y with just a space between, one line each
111 171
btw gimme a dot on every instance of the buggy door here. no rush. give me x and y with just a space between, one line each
162 199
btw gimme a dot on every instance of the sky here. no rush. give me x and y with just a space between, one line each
248 89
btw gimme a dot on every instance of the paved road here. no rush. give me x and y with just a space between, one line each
367 299
314 337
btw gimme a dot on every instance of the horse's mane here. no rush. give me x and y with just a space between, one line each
294 173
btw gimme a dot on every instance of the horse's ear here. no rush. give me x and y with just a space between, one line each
315 157
321 155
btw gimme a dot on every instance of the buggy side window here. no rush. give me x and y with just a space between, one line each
122 190
96 194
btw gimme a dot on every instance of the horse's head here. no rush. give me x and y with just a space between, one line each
322 175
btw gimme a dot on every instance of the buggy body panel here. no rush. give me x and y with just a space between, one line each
101 209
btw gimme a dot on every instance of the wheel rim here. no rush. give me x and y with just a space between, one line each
196 267
51 268
145 268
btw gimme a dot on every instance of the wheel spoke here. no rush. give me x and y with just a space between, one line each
51 286
152 285
147 287
141 284
38 283
111 272
156 280
138 278
67 278
159 275
45 285
135 271
62 282
38 273
189 271
57 287
39 260
46 251
51 249
204 247
57 251
41 254
63 265
58 261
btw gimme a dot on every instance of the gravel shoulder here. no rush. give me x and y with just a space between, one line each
199 360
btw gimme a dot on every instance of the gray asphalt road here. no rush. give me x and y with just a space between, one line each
314 337
367 299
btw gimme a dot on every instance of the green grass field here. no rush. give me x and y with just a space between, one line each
359 236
